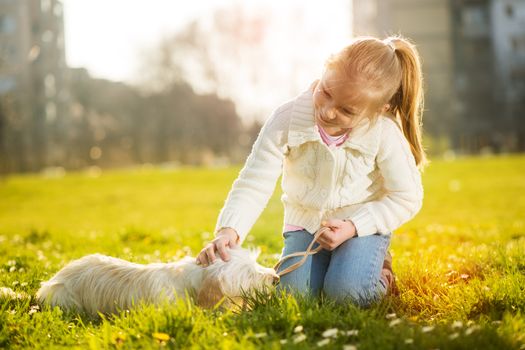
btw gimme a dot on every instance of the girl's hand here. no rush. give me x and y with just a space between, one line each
226 237
339 232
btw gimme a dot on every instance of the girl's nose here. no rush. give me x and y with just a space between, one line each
329 113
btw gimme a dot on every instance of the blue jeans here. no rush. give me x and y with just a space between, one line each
351 272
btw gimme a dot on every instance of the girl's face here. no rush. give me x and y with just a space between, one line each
333 101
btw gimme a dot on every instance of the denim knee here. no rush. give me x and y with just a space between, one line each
355 270
361 293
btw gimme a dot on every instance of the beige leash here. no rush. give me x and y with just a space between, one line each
305 254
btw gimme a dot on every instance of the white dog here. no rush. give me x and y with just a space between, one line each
98 283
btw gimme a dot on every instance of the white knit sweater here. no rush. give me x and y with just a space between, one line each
371 179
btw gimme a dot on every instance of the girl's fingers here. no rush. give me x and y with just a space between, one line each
322 242
325 246
326 235
221 249
202 259
210 254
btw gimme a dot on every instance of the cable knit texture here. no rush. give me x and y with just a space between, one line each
371 179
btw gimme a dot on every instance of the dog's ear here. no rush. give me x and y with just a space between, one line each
210 293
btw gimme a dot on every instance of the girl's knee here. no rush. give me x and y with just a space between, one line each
360 293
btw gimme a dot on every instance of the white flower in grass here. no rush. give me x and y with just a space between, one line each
331 332
260 335
323 342
394 322
299 338
457 324
472 329
298 329
427 329
352 332
453 336
40 255
8 293
33 309
349 347
390 316
409 341
283 341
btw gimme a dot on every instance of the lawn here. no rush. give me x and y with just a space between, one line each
460 263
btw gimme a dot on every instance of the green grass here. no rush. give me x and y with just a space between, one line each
460 263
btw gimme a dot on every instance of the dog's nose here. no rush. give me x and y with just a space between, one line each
276 279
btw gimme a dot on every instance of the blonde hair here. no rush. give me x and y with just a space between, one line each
387 72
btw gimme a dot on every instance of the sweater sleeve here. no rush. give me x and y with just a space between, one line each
256 181
402 181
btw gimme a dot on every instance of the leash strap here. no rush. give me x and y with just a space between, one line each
305 254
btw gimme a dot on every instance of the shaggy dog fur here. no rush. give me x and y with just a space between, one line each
99 283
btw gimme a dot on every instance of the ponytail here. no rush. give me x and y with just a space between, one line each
387 72
407 103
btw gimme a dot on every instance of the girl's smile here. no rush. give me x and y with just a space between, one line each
332 103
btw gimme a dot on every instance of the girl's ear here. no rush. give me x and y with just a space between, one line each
385 108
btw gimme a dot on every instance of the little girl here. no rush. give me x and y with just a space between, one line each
349 149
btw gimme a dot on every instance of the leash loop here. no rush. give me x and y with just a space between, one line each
305 254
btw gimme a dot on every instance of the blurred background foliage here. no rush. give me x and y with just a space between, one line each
197 98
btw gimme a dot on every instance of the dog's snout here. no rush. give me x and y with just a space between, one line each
271 278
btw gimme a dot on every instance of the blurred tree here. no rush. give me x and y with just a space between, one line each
214 54
177 59
112 120
200 122
115 124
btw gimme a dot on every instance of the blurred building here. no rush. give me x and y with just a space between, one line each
473 54
508 23
32 83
